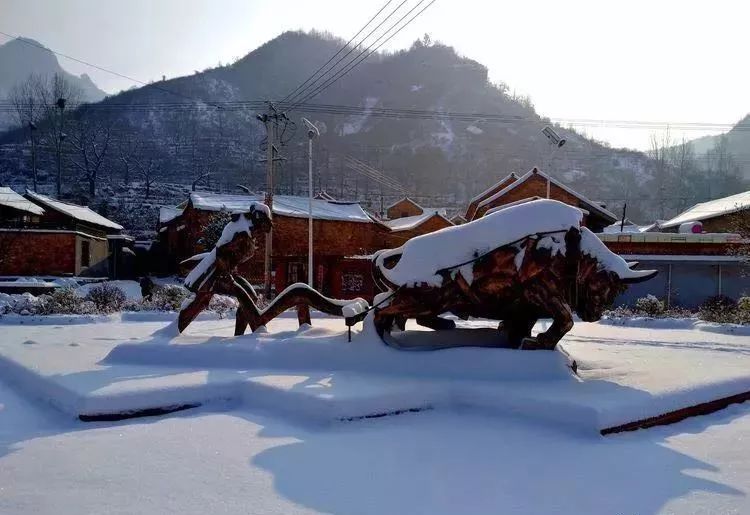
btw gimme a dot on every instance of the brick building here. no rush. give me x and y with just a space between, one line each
403 208
534 185
719 215
42 236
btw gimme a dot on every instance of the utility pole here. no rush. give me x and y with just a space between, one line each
58 144
271 122
32 130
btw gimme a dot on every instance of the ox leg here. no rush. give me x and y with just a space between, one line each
562 322
517 329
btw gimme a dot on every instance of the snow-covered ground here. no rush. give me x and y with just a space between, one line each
487 444
433 463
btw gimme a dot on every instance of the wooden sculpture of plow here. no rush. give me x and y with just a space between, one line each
517 265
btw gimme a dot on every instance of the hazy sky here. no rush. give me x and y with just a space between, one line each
644 60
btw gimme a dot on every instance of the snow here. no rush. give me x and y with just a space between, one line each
628 228
285 205
474 130
232 229
439 461
206 262
167 214
81 213
10 198
408 222
357 123
710 209
424 255
416 87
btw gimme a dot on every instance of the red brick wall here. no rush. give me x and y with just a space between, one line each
37 253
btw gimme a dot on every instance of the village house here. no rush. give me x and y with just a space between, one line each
41 236
534 185
403 208
714 216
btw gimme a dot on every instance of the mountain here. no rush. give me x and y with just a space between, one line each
736 141
201 130
22 57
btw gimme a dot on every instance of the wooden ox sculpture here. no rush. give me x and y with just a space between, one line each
216 273
516 265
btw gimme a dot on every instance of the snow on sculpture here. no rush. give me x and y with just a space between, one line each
216 273
517 265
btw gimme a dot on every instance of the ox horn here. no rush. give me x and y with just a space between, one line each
638 276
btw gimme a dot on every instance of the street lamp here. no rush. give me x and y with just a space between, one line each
555 142
312 132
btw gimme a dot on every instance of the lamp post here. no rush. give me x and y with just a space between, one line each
312 132
555 142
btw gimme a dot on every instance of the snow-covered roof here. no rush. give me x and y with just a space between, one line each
411 222
552 180
10 198
81 213
167 214
711 209
285 205
629 227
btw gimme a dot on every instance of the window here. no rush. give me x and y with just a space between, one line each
351 282
85 253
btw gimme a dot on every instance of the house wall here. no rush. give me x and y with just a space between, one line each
402 209
98 257
724 223
37 253
691 277
688 284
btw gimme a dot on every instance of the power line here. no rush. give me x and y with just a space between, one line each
368 52
340 50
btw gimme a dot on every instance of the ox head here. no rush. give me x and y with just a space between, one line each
602 276
597 288
238 240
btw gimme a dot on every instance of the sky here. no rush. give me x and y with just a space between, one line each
666 61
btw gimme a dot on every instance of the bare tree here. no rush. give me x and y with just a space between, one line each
127 148
90 140
29 110
660 154
148 171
